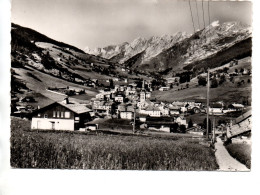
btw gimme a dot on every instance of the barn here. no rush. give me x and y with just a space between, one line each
61 116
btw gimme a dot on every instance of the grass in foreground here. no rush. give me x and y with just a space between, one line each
67 150
241 152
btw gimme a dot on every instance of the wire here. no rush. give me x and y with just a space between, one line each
209 21
209 12
197 14
203 14
192 17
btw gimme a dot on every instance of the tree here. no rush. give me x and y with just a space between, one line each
205 124
182 128
222 79
231 79
187 85
111 83
225 70
190 124
174 128
248 81
202 81
214 83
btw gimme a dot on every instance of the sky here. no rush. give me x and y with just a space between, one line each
98 23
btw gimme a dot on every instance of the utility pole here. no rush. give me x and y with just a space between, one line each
214 135
207 133
134 120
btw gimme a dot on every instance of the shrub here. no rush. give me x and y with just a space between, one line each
214 83
202 81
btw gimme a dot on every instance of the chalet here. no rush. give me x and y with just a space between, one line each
61 116
125 111
236 107
100 96
216 109
103 107
153 111
119 98
164 88
160 124
181 121
173 80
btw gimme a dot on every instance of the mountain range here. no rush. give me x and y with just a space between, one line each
172 53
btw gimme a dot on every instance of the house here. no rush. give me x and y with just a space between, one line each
160 123
164 88
103 107
237 107
142 118
119 98
91 126
100 96
164 110
181 121
61 116
173 80
216 109
126 111
27 99
153 111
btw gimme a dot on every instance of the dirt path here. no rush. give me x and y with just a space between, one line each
225 161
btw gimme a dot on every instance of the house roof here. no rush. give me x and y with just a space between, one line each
77 108
243 117
152 108
74 107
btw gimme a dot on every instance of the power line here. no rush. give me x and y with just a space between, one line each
209 12
192 24
192 17
198 14
209 21
203 14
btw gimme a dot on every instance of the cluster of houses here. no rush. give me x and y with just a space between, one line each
127 102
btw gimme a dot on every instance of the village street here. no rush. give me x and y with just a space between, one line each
225 161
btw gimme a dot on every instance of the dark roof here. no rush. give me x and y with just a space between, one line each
243 117
76 108
152 108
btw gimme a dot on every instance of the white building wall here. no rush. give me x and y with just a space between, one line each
59 124
126 115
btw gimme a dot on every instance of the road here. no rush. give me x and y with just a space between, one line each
225 161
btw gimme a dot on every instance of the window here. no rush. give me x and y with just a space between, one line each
54 113
67 114
45 115
58 114
62 114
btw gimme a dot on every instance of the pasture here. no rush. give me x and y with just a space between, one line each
241 152
78 150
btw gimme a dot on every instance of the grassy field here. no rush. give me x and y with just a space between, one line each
227 93
69 150
44 81
241 152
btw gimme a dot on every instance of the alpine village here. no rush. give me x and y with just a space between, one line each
170 102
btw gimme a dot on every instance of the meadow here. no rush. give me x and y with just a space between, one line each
77 150
241 152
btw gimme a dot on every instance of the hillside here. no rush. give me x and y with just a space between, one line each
151 47
39 62
233 89
211 47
